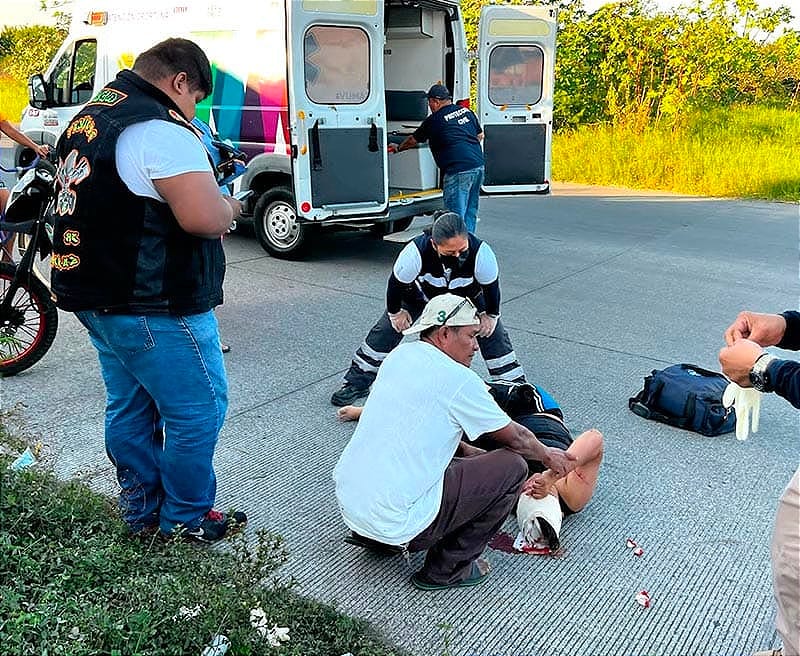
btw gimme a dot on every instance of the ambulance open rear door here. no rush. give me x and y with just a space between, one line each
337 107
516 53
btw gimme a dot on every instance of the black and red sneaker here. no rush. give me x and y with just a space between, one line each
215 526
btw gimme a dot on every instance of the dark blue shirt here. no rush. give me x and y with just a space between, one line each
453 135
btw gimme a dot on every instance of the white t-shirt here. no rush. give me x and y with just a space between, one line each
153 150
389 478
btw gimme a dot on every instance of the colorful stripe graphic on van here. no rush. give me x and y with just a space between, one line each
249 102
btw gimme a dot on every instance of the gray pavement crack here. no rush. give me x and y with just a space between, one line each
248 410
578 342
567 275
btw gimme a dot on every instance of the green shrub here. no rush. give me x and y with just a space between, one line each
73 582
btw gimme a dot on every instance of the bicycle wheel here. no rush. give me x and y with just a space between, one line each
29 327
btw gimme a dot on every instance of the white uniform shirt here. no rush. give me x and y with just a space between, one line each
153 150
389 479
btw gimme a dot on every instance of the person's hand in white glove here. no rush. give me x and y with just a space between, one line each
400 320
746 401
488 324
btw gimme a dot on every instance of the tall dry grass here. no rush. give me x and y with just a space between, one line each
742 151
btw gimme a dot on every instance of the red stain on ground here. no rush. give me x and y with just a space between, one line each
504 542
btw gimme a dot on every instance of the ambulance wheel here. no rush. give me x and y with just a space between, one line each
400 225
390 227
276 225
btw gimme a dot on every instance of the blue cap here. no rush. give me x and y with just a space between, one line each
439 91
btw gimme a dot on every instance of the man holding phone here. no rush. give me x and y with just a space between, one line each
145 285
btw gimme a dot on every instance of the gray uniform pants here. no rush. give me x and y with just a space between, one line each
497 352
786 567
479 493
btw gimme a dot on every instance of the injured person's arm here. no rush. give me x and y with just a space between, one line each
519 439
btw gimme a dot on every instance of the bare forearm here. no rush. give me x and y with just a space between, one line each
197 204
409 142
519 439
12 133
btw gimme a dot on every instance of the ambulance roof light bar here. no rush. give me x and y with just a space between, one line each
97 18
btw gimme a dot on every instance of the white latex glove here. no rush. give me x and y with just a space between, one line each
400 320
746 401
488 324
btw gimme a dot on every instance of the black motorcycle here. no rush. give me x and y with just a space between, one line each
28 315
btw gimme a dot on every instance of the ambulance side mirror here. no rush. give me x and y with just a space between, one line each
37 91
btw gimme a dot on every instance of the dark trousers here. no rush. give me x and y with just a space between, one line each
497 352
479 493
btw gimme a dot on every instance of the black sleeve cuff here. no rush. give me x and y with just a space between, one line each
791 338
784 377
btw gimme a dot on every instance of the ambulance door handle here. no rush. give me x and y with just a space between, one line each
316 155
373 138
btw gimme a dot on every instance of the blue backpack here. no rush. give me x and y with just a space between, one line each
685 396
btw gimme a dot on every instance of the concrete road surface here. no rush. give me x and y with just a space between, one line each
600 286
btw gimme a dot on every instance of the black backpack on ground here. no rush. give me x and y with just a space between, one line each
685 396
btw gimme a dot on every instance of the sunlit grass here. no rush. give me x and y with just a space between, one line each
744 151
13 98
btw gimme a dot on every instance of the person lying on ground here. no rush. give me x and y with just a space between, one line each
397 481
535 409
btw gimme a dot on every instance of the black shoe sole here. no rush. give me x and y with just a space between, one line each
341 401
372 545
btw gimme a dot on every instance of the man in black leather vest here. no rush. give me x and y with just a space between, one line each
137 256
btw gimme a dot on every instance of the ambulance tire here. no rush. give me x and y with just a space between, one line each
276 225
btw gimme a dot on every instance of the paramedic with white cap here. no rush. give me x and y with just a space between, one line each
397 480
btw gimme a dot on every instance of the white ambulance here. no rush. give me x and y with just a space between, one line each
313 90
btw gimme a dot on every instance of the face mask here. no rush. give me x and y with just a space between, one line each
453 262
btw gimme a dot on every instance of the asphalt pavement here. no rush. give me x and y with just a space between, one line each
600 286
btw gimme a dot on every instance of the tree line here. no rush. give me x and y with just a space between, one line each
625 63
628 63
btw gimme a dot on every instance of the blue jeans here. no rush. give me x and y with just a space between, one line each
167 395
461 193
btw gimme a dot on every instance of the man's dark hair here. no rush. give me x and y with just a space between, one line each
447 225
426 334
174 56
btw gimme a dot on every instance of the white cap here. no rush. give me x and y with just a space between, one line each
446 310
531 512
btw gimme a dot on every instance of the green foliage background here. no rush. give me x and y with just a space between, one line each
628 63
23 51
623 64
630 77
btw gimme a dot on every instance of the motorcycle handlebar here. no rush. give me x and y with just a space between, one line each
21 169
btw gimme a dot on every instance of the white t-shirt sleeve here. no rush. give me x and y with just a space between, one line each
486 269
408 264
473 408
154 150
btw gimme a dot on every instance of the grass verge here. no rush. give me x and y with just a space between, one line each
741 152
72 582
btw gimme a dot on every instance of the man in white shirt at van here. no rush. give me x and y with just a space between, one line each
398 482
